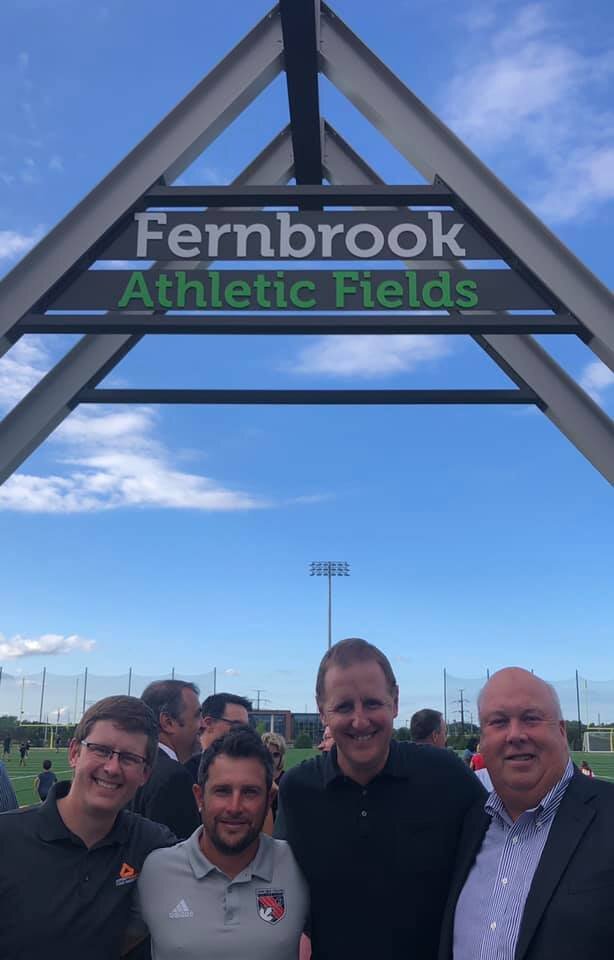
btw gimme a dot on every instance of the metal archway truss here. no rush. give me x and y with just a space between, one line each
305 38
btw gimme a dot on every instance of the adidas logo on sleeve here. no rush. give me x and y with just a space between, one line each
181 911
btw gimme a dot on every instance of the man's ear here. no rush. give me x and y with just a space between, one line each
74 749
198 796
167 723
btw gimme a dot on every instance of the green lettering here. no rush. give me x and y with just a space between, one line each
412 289
341 287
214 292
185 286
442 287
136 289
163 285
468 290
296 300
389 294
261 285
237 294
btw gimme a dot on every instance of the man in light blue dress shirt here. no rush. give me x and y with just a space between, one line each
535 872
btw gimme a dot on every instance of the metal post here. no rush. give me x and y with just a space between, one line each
129 680
445 696
330 608
76 698
84 688
173 674
40 712
23 683
215 679
579 717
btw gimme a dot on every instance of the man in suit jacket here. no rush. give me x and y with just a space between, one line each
167 796
534 878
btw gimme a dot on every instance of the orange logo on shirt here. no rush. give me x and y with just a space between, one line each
127 872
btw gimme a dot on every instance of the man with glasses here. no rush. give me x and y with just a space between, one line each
68 866
220 713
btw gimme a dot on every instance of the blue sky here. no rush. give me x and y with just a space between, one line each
159 537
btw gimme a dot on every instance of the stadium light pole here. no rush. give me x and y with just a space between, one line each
330 569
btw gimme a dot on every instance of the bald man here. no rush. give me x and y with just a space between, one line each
534 877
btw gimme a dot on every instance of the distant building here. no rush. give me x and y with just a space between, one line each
288 724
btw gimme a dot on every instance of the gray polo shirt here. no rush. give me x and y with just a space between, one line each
195 911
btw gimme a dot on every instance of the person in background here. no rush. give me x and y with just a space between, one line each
6 747
23 753
220 713
477 761
45 780
8 800
276 745
469 750
167 795
586 770
428 728
327 742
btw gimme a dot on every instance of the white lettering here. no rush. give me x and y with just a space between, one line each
243 231
214 231
377 238
184 233
439 237
143 233
327 231
412 251
287 231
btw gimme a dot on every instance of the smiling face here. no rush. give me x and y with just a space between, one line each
359 709
101 788
234 804
523 739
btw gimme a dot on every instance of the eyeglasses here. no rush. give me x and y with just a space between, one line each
103 752
231 723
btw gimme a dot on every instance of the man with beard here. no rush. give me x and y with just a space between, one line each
228 891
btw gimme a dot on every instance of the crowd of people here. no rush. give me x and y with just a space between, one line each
181 835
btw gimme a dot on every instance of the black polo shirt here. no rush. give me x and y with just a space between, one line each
59 899
378 858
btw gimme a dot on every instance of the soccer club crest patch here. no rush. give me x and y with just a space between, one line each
271 905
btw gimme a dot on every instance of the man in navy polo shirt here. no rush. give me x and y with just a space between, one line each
68 866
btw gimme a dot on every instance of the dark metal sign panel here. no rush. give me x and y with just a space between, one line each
328 235
299 290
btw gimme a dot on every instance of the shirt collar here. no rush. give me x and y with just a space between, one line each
394 766
168 751
261 866
545 810
51 827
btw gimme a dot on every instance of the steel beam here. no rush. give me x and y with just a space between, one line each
307 397
44 408
164 153
300 24
51 400
574 413
392 195
295 324
435 151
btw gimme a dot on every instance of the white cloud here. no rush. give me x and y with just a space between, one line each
231 672
596 378
56 163
528 89
113 457
370 355
49 644
14 244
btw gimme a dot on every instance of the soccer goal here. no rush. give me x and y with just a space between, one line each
598 740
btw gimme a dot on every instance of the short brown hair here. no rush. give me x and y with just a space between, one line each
347 652
128 713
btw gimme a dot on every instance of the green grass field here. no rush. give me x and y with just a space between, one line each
23 777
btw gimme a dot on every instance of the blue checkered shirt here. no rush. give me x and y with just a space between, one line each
491 904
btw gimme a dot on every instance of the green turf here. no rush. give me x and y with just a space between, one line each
23 777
